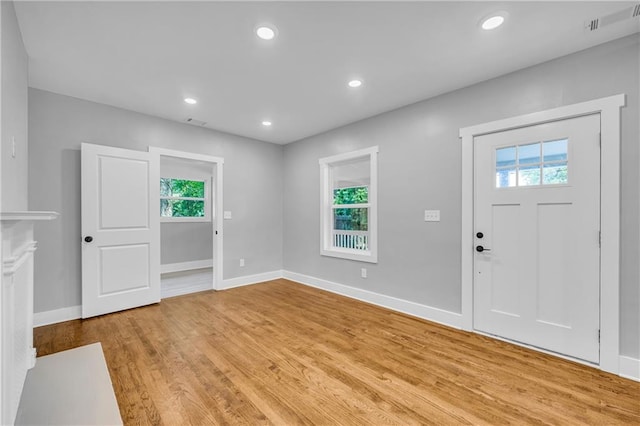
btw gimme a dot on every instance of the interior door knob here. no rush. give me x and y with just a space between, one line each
480 249
88 238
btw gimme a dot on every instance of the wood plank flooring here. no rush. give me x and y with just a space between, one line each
282 353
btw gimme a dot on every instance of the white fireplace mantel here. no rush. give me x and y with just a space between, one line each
16 312
27 215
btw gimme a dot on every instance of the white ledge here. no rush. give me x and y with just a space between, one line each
28 215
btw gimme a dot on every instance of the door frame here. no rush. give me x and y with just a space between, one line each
217 198
609 110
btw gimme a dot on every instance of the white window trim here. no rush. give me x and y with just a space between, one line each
609 110
207 201
326 207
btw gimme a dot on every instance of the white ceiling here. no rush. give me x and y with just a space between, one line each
148 56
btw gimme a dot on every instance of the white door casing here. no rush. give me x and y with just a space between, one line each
537 280
217 201
609 110
120 229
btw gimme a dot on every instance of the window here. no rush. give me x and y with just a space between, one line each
184 200
349 205
534 164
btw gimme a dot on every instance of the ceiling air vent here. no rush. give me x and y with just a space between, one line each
195 122
603 21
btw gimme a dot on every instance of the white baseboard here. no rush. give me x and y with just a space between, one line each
185 266
57 315
75 312
429 313
630 368
250 279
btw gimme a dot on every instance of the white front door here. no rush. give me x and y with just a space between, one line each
537 222
120 229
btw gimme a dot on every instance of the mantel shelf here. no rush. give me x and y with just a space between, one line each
28 215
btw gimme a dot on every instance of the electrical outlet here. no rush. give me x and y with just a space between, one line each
363 272
432 215
241 262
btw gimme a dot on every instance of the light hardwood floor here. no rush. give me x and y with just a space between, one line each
282 353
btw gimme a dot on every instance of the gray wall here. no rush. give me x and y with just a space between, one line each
14 112
420 167
57 126
186 241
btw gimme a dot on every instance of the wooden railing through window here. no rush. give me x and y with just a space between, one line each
356 240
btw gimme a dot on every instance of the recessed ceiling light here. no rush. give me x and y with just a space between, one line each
355 83
493 22
266 123
265 33
190 101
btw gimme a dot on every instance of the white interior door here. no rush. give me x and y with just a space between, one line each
537 222
120 229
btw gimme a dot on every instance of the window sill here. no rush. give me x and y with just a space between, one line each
184 219
351 255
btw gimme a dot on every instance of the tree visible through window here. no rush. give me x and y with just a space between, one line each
351 219
349 209
182 198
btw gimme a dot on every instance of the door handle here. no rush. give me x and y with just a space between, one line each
480 249
88 238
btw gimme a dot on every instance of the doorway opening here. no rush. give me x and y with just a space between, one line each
190 221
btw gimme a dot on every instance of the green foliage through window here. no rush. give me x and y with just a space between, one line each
182 198
181 188
351 219
354 195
